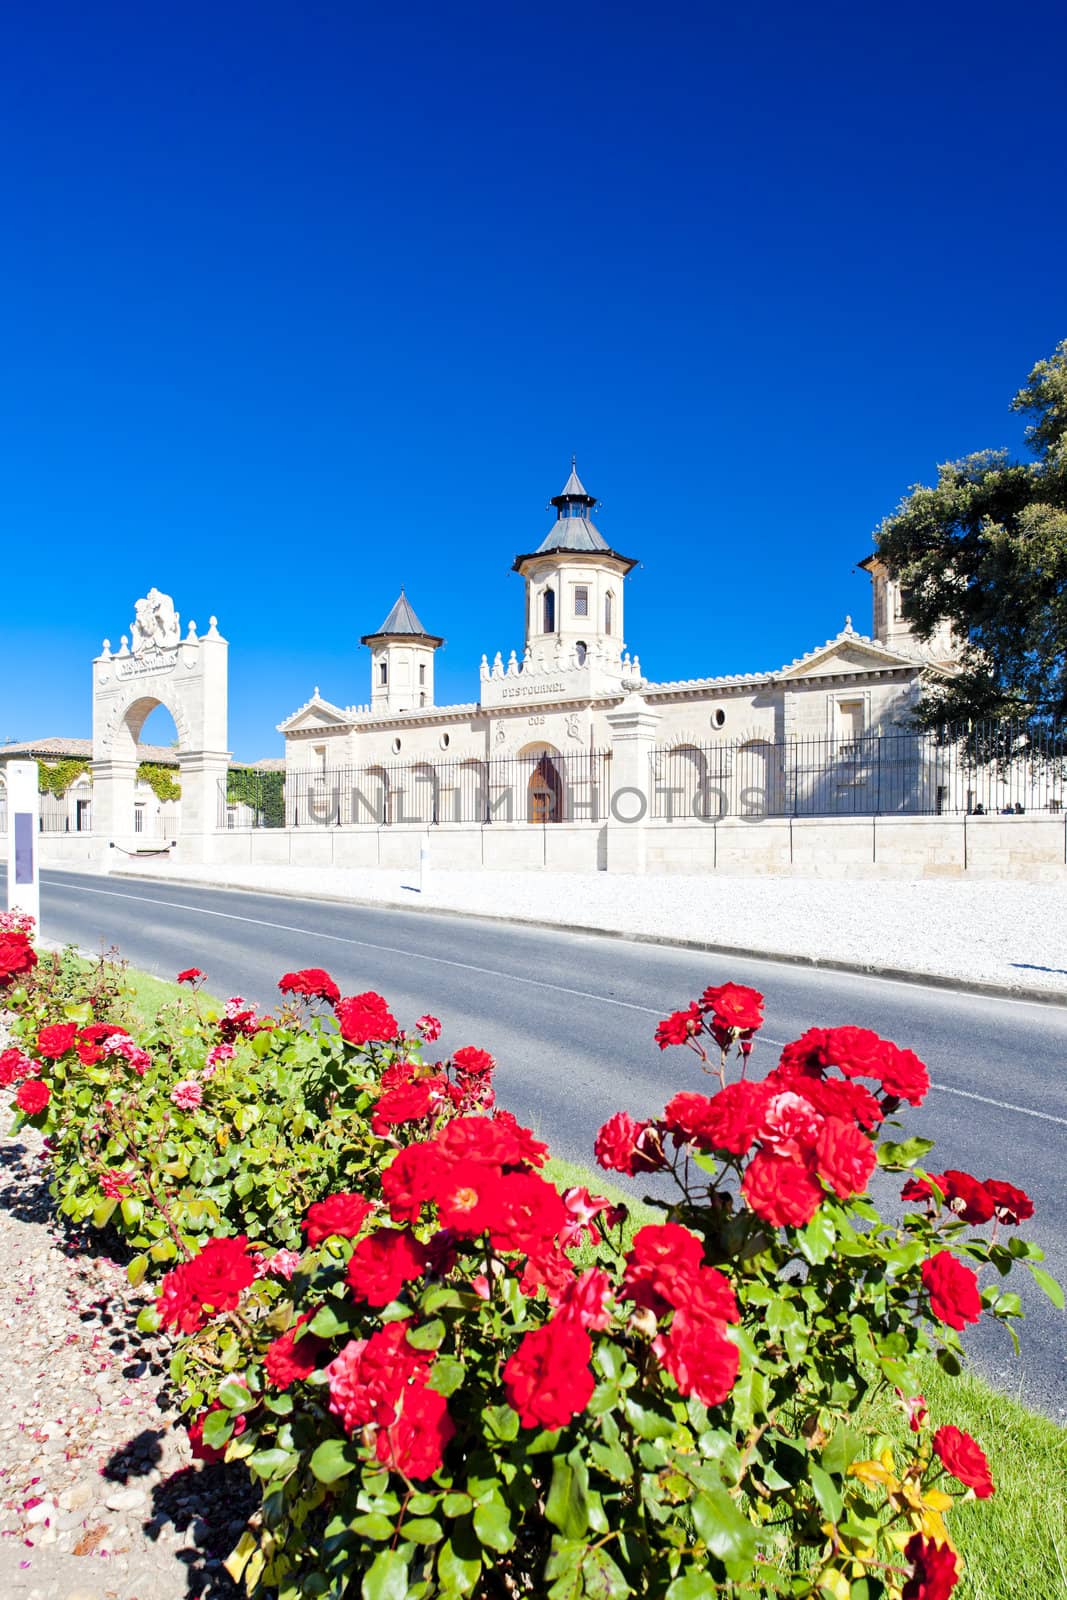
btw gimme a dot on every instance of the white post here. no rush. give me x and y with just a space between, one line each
424 863
23 814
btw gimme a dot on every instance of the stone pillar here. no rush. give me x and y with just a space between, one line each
634 727
23 839
203 781
112 814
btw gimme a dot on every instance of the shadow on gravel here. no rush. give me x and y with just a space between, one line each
211 1505
137 1457
24 1185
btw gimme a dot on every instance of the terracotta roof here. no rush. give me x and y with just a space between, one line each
80 749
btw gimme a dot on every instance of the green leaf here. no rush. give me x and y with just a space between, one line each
329 1461
492 1524
429 1337
567 1506
422 1530
235 1396
693 1585
136 1270
103 1213
373 1525
1047 1282
826 1492
387 1577
218 1426
458 1574
447 1374
905 1154
328 1324
269 1463
729 1536
817 1240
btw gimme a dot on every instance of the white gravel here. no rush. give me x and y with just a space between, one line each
1012 934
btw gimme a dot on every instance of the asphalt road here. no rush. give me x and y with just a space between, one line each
570 1019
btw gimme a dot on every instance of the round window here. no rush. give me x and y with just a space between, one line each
445 741
396 747
719 718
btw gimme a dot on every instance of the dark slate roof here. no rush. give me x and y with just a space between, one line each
402 622
578 534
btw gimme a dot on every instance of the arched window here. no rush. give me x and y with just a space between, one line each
609 612
550 611
383 672
581 650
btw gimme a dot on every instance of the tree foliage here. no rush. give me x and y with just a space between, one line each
57 778
161 780
986 549
262 792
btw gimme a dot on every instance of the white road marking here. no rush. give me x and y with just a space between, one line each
509 977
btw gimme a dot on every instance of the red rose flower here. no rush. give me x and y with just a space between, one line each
429 1027
415 1442
790 1125
680 1026
735 1010
835 1097
17 957
368 1376
382 1263
213 1281
366 1019
734 1117
190 975
919 1189
685 1116
1010 1205
56 1040
953 1290
965 1196
412 1178
340 1215
904 1076
584 1299
965 1459
624 1145
661 1256
472 1062
466 1195
935 1569
32 1096
845 1157
547 1380
409 1102
14 1066
781 1191
291 1358
312 982
701 1360
528 1213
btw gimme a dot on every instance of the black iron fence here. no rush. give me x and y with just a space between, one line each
898 773
973 771
543 789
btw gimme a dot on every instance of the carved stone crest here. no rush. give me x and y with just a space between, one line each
156 624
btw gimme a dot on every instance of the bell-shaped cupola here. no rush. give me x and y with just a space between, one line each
574 579
402 655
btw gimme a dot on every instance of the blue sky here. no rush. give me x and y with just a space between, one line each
305 301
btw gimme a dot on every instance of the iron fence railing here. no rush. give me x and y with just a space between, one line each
541 788
902 773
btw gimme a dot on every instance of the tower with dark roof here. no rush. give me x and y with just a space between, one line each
402 655
574 580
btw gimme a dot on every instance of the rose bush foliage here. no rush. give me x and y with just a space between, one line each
450 1378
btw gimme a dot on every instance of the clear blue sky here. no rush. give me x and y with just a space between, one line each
304 301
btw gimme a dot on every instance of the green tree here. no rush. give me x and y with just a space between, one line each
986 550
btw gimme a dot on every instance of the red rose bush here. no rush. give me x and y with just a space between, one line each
451 1377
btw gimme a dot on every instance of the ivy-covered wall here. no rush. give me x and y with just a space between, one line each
263 792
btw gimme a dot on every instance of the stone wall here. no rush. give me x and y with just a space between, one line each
1028 848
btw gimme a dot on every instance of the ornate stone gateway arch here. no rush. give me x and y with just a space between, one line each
153 667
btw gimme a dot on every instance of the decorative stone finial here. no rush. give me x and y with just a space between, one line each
848 624
124 649
315 692
213 628
192 632
106 651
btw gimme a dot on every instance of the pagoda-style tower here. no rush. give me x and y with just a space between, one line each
401 667
574 581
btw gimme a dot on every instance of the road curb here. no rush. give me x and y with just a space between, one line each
924 980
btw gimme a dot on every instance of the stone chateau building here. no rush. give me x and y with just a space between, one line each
574 689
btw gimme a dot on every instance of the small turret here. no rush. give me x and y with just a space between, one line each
402 656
